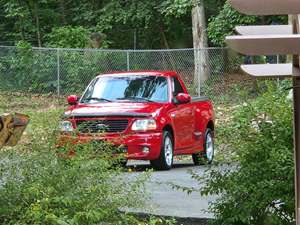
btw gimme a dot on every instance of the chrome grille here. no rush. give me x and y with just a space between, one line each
98 126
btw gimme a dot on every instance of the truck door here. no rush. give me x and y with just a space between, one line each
183 118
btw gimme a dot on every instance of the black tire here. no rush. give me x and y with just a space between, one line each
123 163
202 158
120 162
165 160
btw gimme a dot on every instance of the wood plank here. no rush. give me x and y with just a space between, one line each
266 7
271 70
265 44
265 30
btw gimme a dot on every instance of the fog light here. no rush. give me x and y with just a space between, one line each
146 149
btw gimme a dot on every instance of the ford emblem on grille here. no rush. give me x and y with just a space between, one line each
101 126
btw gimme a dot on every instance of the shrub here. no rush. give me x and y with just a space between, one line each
68 37
38 187
259 188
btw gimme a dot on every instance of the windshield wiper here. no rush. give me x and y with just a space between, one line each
136 98
96 99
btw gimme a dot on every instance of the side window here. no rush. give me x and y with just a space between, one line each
177 88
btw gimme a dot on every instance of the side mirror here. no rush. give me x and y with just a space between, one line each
72 100
183 98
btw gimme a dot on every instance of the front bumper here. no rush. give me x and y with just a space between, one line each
135 143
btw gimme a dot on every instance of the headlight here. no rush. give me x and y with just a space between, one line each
66 126
143 125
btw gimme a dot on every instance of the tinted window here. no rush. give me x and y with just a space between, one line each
177 88
129 88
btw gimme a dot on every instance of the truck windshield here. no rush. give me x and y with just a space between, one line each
130 88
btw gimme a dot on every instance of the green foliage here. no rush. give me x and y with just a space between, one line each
258 189
32 70
152 23
28 70
176 8
224 23
68 37
227 18
40 184
40 188
33 21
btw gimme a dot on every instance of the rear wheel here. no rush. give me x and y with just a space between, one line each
207 156
165 160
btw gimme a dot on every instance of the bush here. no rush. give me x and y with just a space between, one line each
68 37
259 188
38 187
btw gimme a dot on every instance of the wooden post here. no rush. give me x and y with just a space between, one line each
296 96
296 92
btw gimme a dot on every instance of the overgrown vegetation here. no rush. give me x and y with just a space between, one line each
40 184
38 187
258 189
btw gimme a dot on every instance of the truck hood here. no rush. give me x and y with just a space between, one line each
114 109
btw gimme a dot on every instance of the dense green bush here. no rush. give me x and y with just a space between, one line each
259 188
38 187
68 37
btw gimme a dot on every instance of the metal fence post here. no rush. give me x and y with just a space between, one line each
58 72
128 62
199 71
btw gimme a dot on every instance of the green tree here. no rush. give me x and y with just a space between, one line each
68 37
155 24
224 23
227 19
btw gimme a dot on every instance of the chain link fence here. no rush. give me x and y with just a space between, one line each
68 71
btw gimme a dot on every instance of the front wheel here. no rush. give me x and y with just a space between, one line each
165 160
207 156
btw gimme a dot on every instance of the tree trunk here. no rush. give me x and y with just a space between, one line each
163 36
21 28
37 23
33 9
62 9
200 42
167 46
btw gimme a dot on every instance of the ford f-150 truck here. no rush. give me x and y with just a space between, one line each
150 113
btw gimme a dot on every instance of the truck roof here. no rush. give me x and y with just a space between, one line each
141 72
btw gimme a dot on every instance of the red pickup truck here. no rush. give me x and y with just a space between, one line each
150 113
